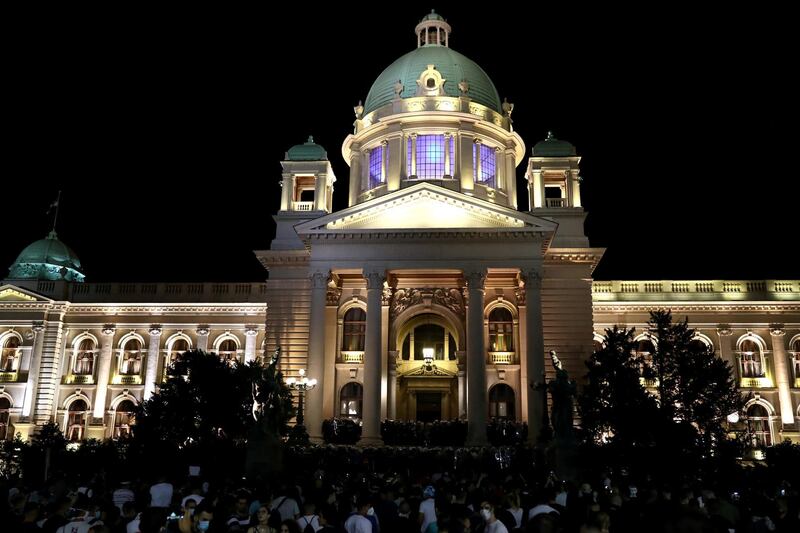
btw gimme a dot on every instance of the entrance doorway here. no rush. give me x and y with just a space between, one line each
429 406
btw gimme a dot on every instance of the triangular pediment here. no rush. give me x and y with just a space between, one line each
12 293
425 207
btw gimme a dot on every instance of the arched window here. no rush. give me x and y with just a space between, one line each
501 402
9 359
351 400
698 345
354 330
751 360
124 418
84 358
795 351
758 424
645 348
76 420
5 410
228 351
177 349
501 330
131 360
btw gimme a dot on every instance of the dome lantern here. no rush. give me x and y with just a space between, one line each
433 30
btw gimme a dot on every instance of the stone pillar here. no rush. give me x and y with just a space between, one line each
250 336
287 190
413 154
465 172
386 299
33 369
576 188
392 369
447 140
511 177
150 375
202 337
462 385
371 433
782 378
316 353
104 371
477 411
355 174
534 352
536 190
45 405
320 192
394 161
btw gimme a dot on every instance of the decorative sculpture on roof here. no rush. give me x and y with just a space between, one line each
359 110
463 86
508 107
398 88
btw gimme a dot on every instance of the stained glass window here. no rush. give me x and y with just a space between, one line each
375 166
488 167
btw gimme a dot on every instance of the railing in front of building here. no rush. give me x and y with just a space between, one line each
302 206
555 202
754 374
352 357
501 358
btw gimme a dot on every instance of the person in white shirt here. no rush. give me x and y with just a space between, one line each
427 509
358 521
161 493
493 525
286 506
123 495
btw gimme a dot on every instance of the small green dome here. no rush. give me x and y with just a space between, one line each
48 259
433 15
453 67
552 147
307 152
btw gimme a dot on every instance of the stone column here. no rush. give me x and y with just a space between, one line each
511 177
447 140
782 378
392 368
150 375
462 385
477 411
413 154
534 352
316 353
355 174
202 337
33 369
394 161
371 433
576 188
287 189
320 192
104 371
465 171
250 336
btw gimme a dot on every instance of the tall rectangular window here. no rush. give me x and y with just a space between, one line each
488 167
375 166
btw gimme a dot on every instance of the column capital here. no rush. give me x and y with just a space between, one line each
375 278
319 279
777 330
532 277
724 330
251 330
203 329
155 330
332 295
475 278
109 329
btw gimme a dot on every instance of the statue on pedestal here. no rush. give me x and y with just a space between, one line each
562 390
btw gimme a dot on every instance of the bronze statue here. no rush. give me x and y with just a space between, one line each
562 389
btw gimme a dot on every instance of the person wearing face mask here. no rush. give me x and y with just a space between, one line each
492 524
198 521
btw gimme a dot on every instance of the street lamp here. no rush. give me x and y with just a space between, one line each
301 386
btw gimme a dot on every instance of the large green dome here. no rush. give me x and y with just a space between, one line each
453 67
48 259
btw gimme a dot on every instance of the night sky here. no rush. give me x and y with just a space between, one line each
166 133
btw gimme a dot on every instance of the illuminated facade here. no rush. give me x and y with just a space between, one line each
430 296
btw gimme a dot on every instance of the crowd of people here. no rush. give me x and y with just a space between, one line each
347 490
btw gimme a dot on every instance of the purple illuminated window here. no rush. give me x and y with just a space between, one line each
375 164
488 169
430 157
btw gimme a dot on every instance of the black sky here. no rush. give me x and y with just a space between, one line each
166 132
